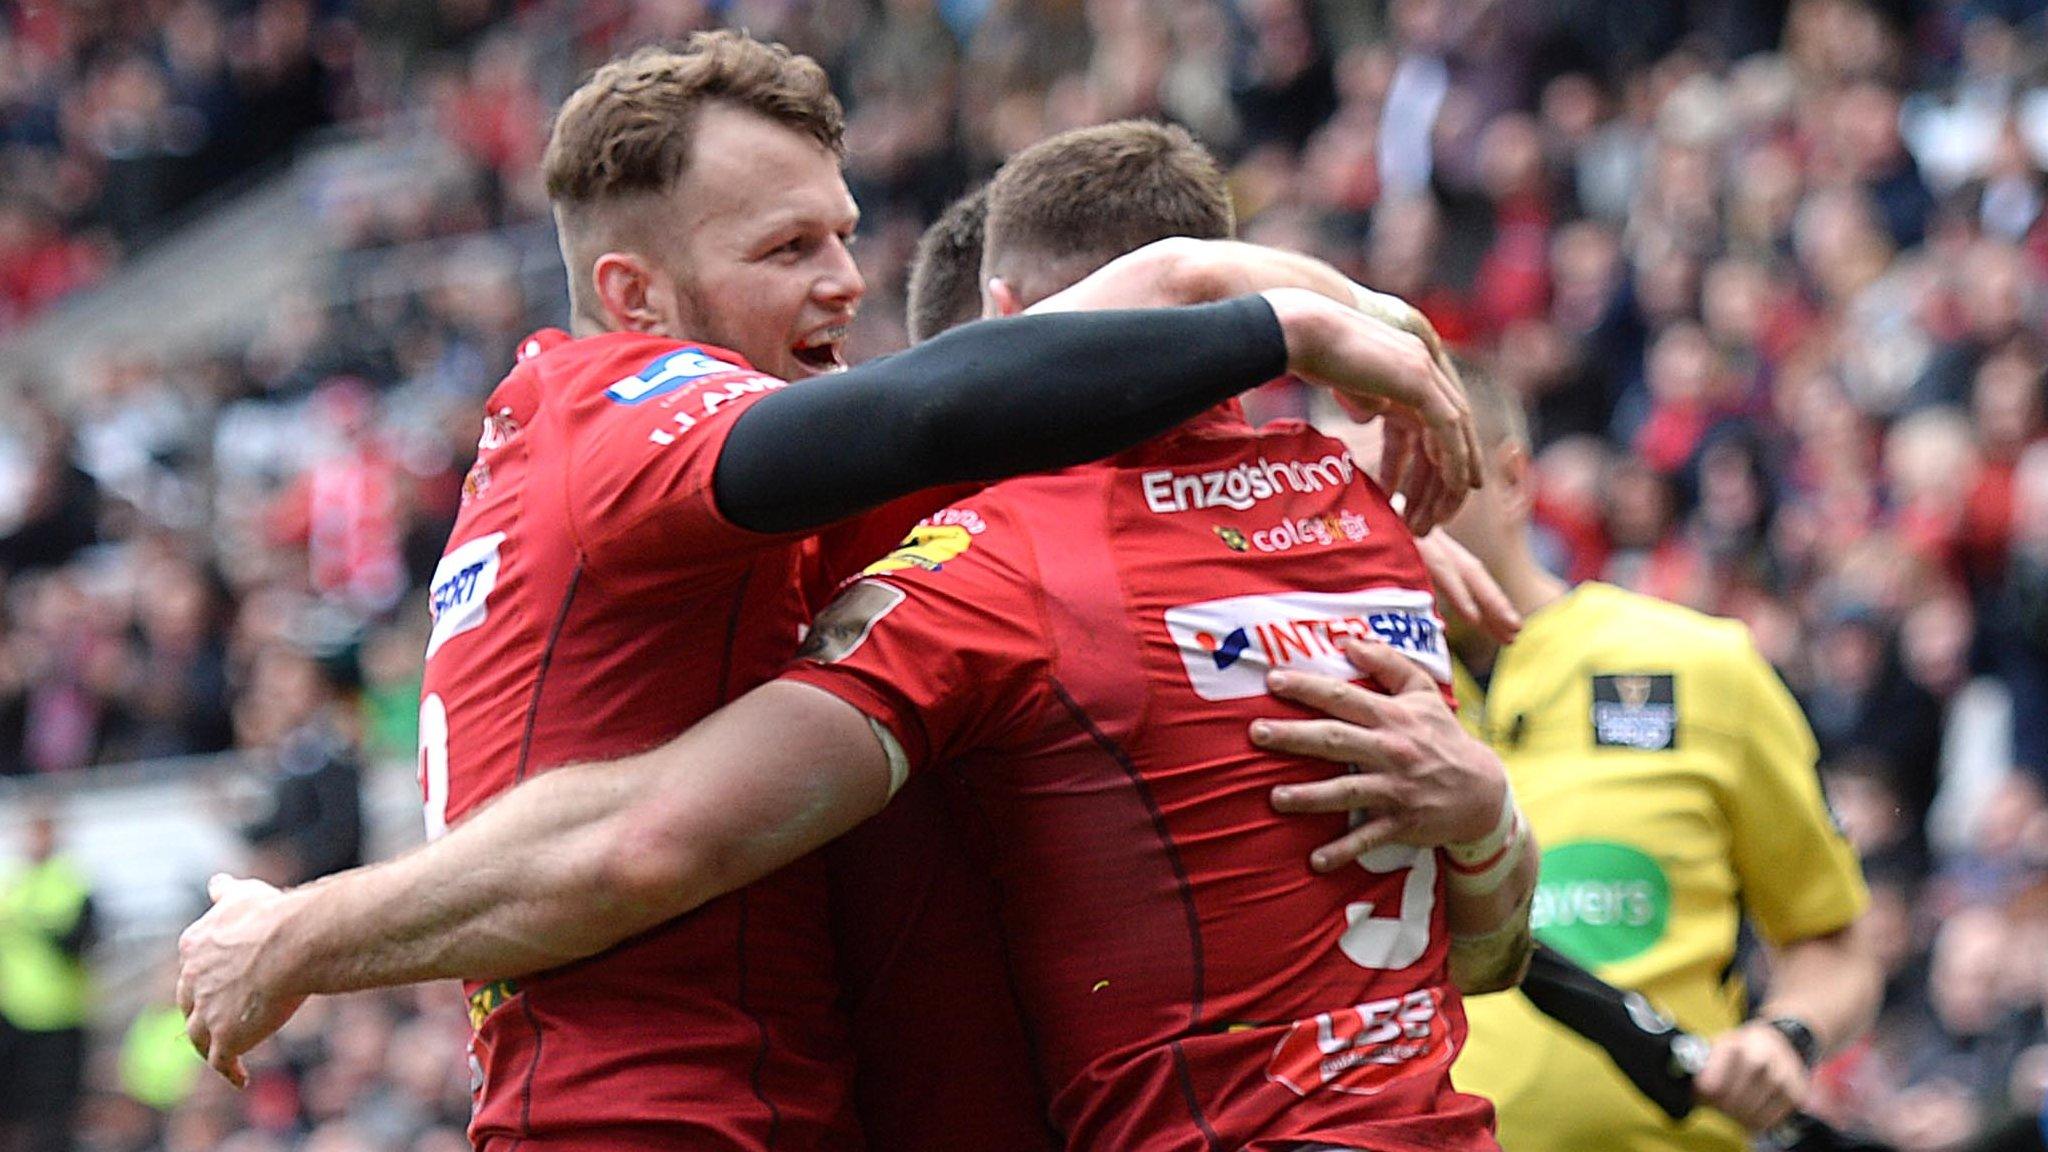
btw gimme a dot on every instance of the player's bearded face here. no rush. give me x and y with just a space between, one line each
762 265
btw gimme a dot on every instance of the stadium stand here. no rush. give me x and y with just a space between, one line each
1768 275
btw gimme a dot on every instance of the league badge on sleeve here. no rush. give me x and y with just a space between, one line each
1637 711
845 623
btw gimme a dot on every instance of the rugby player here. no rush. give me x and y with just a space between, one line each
945 277
942 1060
629 552
1671 778
1315 1018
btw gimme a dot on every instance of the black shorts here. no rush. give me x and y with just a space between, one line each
44 1072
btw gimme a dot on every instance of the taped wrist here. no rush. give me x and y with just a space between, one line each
1397 313
1497 960
1479 867
899 762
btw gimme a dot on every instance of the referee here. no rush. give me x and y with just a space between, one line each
1670 778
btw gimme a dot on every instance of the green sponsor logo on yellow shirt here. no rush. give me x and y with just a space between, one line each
1599 902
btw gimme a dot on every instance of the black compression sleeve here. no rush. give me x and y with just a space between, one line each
986 401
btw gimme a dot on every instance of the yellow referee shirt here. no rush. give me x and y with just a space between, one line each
1669 778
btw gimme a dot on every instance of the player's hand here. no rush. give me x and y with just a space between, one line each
1466 590
1428 499
1368 360
1416 776
1754 1075
230 999
1399 313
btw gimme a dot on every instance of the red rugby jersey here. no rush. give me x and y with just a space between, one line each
592 602
940 1057
1084 650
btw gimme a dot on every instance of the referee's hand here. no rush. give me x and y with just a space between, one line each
1415 776
1754 1075
223 988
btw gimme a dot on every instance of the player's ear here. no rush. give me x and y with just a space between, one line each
629 293
999 299
1516 472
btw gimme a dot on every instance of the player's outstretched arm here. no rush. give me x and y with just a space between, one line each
561 867
1038 392
1184 270
1418 778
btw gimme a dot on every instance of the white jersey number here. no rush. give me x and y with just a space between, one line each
434 762
1390 942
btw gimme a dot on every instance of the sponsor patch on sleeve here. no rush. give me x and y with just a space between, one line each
461 589
1638 710
846 623
938 539
1228 646
666 374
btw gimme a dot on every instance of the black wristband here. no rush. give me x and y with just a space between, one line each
1800 1036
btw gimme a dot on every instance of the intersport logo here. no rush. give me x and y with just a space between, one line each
1228 646
1241 487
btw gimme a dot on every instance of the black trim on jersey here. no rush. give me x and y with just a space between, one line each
987 401
532 1073
1116 752
540 672
1180 871
968 795
732 632
1187 1091
760 1025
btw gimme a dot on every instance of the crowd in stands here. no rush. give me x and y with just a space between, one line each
1771 278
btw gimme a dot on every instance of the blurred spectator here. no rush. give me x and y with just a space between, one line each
346 508
298 713
1955 1060
60 514
47 922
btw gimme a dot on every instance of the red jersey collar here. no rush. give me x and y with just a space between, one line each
1225 419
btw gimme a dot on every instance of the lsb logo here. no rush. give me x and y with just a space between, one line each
1361 1049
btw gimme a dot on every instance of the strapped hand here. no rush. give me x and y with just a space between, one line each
1377 367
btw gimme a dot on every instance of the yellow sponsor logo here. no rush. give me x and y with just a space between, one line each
928 546
489 999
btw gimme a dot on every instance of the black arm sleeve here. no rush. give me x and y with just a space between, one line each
1639 1039
986 401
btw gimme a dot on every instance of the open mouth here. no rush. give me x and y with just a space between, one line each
821 351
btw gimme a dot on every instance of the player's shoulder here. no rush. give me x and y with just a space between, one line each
631 370
1622 612
1630 625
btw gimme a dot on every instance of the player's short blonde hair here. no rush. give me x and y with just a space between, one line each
1497 413
628 131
